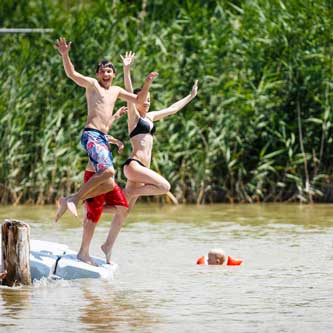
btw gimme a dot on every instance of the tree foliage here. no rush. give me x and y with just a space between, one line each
259 130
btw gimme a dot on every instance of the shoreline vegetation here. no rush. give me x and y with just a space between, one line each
260 129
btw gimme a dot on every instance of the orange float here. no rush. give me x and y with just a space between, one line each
230 261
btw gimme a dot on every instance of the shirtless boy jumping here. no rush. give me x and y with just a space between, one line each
101 96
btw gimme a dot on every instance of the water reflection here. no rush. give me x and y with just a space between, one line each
107 307
13 301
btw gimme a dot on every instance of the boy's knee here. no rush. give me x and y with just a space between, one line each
107 186
110 180
109 172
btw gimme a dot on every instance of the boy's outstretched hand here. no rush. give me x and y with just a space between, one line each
122 111
120 146
62 46
116 142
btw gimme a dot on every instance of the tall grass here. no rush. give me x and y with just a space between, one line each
259 130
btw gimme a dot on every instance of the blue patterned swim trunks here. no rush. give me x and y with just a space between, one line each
97 147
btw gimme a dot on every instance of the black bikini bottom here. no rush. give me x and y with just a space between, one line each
129 161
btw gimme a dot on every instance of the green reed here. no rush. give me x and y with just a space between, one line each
259 130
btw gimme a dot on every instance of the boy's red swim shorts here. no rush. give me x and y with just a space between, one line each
95 206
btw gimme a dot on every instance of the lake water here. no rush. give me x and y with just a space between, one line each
284 285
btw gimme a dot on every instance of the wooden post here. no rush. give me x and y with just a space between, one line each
16 252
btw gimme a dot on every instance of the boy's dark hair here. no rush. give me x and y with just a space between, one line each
136 91
105 63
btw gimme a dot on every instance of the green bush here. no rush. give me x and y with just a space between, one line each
259 130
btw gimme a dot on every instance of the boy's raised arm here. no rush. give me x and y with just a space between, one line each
63 48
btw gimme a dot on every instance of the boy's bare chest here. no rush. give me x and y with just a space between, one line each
103 96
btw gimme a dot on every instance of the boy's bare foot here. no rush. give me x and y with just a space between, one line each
62 207
107 254
71 206
86 259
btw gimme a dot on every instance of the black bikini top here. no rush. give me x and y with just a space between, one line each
143 127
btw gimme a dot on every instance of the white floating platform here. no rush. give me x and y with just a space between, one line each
69 268
55 260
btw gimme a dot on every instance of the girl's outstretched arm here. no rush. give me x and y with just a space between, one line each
142 95
174 108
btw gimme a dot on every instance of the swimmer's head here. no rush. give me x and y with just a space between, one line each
105 72
142 108
216 257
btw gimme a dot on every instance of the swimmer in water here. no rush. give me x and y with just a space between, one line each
218 257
